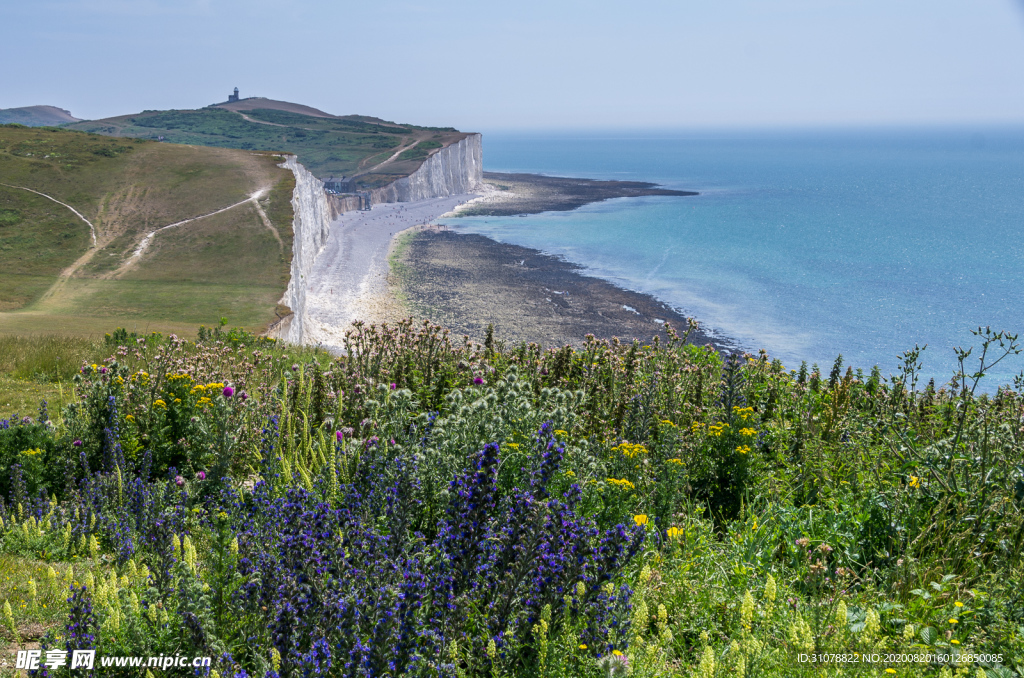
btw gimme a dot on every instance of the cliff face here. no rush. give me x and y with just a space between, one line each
311 226
453 170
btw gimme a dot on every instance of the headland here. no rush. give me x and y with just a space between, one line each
520 194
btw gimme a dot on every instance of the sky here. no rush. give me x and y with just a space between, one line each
480 65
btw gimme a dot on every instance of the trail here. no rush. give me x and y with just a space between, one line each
273 124
144 243
393 156
92 229
269 224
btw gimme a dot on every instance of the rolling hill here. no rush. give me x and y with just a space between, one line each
374 152
97 232
36 116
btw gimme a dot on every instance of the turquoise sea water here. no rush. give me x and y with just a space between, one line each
808 245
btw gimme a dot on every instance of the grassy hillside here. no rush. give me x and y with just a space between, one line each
327 146
36 116
52 278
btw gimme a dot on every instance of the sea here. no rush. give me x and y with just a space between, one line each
808 244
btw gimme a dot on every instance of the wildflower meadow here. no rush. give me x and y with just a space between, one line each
429 506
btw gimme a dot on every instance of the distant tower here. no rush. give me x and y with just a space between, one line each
233 97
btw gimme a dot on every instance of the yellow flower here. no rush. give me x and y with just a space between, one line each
640 519
955 641
696 426
915 481
160 403
743 449
677 462
748 432
666 422
958 604
630 450
674 532
130 417
583 646
954 621
616 653
890 670
621 484
561 434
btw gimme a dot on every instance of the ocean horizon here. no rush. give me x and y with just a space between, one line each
808 244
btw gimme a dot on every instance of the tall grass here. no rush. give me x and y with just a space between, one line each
46 358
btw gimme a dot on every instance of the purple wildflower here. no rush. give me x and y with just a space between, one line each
77 443
179 481
228 391
201 475
478 380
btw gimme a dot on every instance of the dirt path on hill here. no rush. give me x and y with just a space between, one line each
148 238
92 229
390 159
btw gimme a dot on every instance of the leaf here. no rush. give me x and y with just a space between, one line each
929 634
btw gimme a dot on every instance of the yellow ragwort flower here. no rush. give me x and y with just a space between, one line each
640 519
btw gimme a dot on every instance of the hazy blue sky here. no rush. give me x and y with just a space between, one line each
481 65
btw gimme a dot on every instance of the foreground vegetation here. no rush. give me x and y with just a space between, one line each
426 506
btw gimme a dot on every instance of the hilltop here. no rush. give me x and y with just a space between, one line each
37 116
79 247
371 151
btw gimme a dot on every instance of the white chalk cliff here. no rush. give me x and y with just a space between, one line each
454 170
311 224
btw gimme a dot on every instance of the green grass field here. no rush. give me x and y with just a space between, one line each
341 146
53 281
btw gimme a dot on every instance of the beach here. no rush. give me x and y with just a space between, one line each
467 282
349 279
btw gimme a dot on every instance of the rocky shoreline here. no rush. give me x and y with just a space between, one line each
515 194
467 281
